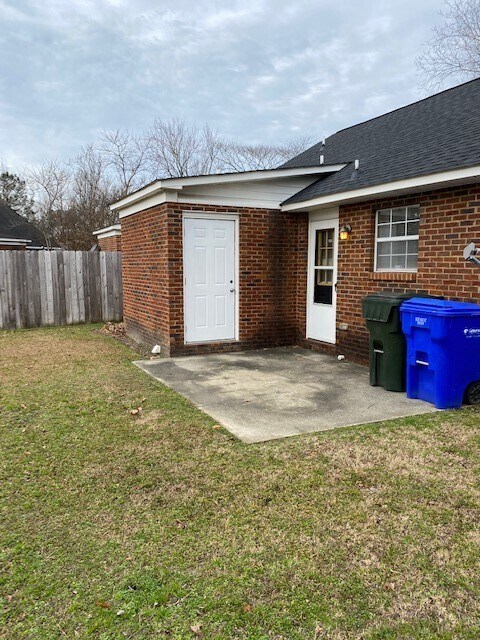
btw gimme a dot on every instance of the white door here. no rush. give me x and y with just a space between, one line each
322 278
209 279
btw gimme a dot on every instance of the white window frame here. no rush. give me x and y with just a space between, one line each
392 239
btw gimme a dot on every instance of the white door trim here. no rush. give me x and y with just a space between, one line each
210 216
329 217
215 216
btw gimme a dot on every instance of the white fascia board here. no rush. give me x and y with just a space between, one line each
10 241
108 232
432 181
146 203
172 185
246 176
141 194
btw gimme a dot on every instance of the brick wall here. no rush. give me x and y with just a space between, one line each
145 276
114 243
272 257
269 264
273 268
449 219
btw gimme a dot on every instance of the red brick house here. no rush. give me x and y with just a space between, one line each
109 238
282 257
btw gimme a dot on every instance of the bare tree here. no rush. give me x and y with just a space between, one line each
454 51
126 156
241 157
71 199
49 184
294 146
178 150
210 151
92 191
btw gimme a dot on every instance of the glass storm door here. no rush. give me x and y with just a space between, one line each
322 274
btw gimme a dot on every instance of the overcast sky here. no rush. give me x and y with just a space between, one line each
256 70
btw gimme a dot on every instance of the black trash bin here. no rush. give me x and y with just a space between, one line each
387 342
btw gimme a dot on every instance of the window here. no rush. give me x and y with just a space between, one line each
396 244
323 267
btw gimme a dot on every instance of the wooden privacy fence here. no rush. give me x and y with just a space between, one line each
41 288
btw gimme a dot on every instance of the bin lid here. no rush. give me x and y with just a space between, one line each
378 306
432 306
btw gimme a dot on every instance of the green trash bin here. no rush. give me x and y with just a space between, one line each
387 342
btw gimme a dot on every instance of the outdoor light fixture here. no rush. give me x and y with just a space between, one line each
345 232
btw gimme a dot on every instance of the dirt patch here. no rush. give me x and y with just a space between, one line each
117 330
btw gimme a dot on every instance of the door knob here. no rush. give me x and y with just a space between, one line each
232 290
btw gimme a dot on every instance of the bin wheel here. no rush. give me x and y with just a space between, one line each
472 394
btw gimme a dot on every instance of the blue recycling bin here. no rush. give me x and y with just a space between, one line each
443 351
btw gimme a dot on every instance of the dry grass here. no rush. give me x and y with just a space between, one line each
368 532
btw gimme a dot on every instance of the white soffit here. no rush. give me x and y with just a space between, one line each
169 190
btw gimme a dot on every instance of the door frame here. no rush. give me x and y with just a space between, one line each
326 215
206 215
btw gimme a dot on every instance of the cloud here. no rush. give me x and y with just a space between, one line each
257 70
226 18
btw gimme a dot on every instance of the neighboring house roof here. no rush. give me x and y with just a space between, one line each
436 134
13 226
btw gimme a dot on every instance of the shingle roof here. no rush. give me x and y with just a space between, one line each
438 133
15 226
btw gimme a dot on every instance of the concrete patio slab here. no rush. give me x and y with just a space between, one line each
273 393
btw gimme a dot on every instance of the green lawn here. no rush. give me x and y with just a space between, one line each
162 526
